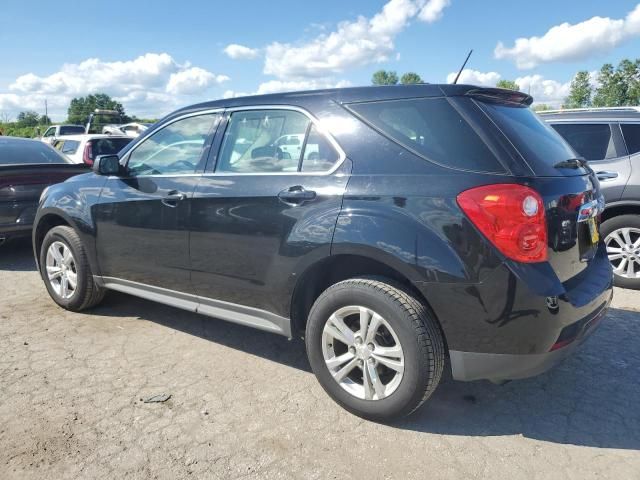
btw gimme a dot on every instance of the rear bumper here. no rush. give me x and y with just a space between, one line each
467 366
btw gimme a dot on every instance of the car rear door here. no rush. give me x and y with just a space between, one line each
601 144
260 213
631 134
142 219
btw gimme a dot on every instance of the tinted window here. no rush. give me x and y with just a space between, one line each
108 146
591 141
537 142
258 141
319 154
51 131
174 149
14 152
631 134
433 129
71 130
69 146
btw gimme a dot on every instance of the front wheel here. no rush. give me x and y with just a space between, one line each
374 348
622 238
66 272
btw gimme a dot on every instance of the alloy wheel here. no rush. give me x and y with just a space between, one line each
61 270
623 250
363 353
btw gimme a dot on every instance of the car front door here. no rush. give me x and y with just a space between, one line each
142 219
602 146
261 212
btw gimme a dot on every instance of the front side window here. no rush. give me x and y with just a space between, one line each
592 141
50 132
173 150
631 133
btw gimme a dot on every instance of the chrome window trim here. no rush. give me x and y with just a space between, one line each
125 160
323 131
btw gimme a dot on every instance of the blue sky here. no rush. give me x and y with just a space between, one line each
155 57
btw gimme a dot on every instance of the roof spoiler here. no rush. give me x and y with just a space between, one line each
500 95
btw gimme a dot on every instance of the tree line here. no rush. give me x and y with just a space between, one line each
31 124
614 86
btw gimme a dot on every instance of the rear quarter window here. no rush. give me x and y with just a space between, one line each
433 129
631 133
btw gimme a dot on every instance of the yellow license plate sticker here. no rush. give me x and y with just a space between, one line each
593 230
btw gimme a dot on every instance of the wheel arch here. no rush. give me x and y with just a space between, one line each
617 209
335 268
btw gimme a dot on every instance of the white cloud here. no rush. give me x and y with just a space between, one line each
567 42
432 11
151 84
276 86
474 77
544 90
236 51
192 81
352 44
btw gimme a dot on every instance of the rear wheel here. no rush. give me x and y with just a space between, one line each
622 238
374 348
66 271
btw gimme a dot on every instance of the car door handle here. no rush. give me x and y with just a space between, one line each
296 195
172 198
604 175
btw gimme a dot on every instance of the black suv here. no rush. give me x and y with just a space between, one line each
609 139
392 227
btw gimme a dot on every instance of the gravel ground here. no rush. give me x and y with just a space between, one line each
244 404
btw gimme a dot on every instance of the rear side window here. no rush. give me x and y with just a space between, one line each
631 134
540 145
70 146
592 141
108 146
433 129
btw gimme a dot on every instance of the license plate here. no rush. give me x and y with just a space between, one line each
593 230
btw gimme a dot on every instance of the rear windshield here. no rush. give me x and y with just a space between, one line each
539 144
433 129
17 152
108 146
71 129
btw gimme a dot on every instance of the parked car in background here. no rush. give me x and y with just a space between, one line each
132 130
26 168
609 139
412 225
54 132
85 148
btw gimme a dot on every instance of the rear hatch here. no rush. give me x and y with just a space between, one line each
569 188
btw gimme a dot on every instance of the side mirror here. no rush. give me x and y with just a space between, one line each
106 165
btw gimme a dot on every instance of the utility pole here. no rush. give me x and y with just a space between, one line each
46 111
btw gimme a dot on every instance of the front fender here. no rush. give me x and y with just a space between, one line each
70 203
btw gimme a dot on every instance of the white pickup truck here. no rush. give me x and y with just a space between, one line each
56 131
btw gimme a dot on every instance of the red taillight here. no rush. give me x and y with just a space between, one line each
511 216
87 155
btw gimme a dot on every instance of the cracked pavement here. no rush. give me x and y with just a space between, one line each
244 403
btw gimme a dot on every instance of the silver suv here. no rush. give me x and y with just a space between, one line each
609 139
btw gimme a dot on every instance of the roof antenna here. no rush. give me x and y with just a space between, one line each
462 67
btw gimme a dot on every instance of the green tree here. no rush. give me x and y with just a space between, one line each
508 84
44 120
630 74
28 118
410 78
612 91
80 108
579 91
384 77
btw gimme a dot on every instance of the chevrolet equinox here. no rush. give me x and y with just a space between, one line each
391 227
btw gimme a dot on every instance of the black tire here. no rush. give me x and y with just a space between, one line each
87 294
415 328
615 223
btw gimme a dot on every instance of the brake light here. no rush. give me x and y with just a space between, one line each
87 155
511 216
